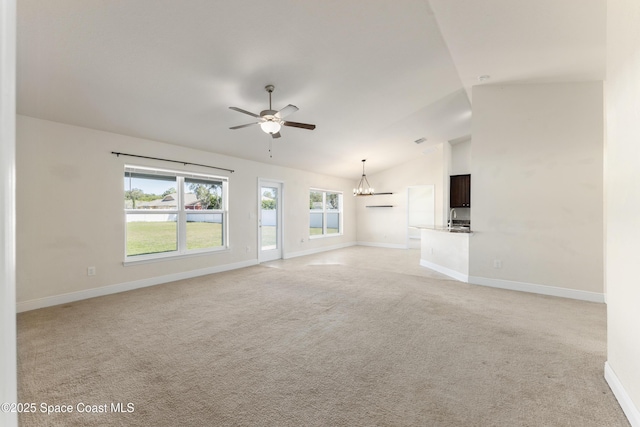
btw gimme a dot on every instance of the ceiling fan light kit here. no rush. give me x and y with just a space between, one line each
270 126
363 188
271 121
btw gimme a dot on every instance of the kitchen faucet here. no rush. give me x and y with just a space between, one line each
452 215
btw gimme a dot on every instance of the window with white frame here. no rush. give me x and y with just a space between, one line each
325 213
171 213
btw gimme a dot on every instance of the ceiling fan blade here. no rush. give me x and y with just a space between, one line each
244 126
240 110
276 135
299 125
289 109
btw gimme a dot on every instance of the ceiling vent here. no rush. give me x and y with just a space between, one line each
420 141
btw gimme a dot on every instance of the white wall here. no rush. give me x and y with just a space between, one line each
537 189
461 165
461 158
70 209
8 382
623 203
388 226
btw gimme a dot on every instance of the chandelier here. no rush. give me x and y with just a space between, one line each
363 188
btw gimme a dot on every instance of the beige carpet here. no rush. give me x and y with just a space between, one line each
320 341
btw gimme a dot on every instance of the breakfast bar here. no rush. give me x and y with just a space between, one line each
446 250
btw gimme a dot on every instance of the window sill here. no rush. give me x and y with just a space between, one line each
324 236
170 257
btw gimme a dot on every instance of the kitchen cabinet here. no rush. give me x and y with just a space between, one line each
460 191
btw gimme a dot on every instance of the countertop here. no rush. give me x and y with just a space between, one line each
454 229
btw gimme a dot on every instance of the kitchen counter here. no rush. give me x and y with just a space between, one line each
454 229
445 251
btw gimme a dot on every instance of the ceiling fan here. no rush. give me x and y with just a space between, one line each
270 120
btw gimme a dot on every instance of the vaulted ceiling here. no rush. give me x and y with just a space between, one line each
374 76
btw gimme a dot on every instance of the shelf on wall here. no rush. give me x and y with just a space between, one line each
380 194
380 206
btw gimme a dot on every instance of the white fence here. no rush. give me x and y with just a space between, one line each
315 219
268 217
215 218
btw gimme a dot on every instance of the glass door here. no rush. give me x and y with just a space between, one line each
269 220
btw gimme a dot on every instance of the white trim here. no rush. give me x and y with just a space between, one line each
8 376
383 245
318 250
127 286
181 213
538 289
325 212
446 271
265 255
629 409
164 256
152 170
324 236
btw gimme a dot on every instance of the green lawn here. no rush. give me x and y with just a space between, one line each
315 231
156 237
268 236
202 235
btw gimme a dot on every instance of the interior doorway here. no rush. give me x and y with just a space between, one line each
420 212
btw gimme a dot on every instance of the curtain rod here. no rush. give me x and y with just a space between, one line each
173 161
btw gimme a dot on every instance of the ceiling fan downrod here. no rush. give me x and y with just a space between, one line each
270 89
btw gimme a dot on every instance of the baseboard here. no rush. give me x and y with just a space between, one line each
629 409
446 271
383 245
538 289
317 250
127 286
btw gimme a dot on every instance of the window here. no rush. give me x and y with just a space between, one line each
325 213
171 213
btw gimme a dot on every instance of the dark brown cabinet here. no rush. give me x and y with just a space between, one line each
460 191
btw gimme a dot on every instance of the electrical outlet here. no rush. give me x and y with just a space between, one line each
91 271
497 263
431 251
247 249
